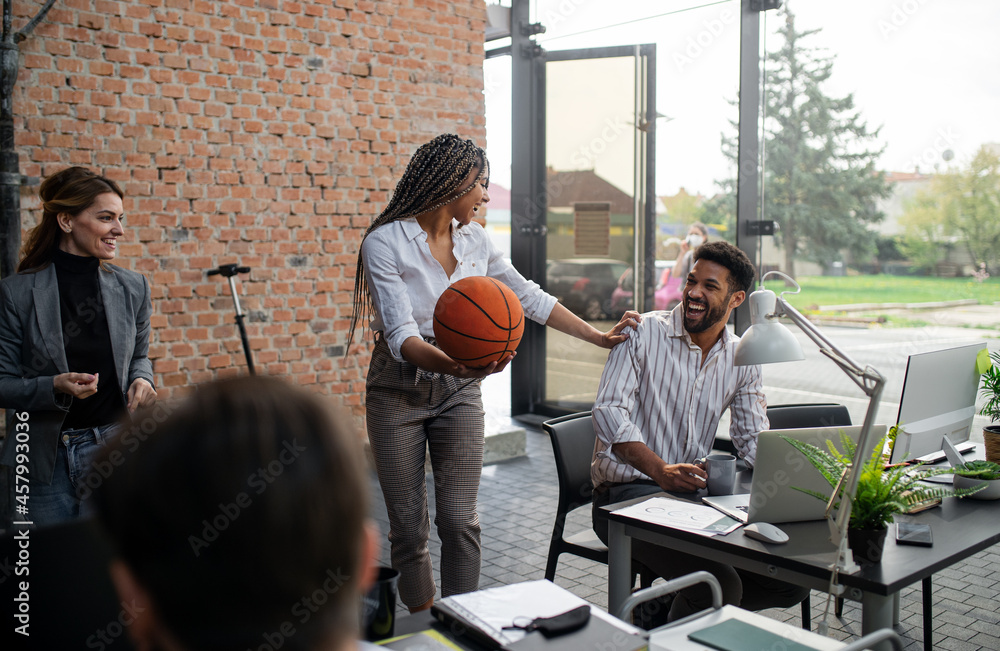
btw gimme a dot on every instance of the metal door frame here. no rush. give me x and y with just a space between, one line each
528 182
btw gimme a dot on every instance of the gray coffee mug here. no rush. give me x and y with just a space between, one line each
721 469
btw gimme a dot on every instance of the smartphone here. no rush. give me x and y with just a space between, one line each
913 534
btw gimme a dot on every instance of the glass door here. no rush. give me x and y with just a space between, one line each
598 206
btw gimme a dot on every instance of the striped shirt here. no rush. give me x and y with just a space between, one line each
656 390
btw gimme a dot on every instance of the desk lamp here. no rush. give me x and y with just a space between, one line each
767 341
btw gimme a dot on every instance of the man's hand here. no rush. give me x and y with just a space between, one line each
682 477
677 477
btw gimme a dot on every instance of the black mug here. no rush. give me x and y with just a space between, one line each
378 606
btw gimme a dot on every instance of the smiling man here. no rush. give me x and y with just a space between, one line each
661 396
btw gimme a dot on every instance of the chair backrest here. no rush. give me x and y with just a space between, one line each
75 604
572 439
808 415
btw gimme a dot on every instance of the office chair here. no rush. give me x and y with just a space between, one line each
713 616
73 602
572 438
808 415
794 417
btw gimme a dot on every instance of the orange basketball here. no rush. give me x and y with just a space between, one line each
478 320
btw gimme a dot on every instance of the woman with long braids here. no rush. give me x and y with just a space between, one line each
418 397
74 336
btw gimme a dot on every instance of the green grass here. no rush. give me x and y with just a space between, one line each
895 321
843 290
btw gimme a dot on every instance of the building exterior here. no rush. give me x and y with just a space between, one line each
568 189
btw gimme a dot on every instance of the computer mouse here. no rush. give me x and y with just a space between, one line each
765 532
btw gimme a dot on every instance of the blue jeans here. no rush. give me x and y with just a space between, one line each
65 498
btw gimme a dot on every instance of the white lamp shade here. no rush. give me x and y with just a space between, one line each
766 342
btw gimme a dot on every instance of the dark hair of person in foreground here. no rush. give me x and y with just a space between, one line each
239 520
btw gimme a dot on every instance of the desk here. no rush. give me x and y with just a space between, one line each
961 528
675 638
667 638
485 617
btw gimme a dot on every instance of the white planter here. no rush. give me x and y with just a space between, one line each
991 492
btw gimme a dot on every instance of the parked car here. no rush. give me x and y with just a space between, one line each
667 295
584 285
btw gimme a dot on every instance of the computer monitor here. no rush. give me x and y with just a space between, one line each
939 400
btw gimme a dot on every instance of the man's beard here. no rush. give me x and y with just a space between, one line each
712 316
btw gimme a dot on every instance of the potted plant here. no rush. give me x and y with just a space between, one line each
975 473
991 391
882 492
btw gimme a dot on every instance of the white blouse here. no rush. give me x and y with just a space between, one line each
405 280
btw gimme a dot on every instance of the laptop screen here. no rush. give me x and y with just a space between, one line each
781 469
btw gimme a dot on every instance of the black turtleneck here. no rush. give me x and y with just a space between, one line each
87 340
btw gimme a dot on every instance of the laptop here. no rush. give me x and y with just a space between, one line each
779 467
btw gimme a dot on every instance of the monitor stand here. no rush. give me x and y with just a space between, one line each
951 454
936 457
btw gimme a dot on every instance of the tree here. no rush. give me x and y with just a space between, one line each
720 210
821 184
681 208
971 206
720 213
962 204
923 230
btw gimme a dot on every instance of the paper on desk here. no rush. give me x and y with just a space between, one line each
678 514
492 609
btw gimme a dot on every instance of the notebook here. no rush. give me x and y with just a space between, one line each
482 616
734 635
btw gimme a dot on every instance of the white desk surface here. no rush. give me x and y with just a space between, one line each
675 638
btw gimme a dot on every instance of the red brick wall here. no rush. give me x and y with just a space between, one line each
264 132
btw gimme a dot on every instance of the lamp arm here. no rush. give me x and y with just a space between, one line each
872 383
864 378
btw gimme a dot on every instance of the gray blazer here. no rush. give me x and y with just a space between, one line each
32 353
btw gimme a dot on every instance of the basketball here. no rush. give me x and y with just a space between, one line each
478 320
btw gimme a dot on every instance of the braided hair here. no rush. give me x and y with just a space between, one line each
432 179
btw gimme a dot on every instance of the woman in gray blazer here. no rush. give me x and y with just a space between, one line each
74 336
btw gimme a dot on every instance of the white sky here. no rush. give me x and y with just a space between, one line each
925 70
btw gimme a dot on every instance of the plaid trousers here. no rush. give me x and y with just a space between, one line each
409 411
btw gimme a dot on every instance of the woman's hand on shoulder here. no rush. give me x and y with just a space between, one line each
140 394
617 334
78 385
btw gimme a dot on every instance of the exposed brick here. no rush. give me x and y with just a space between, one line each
267 133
